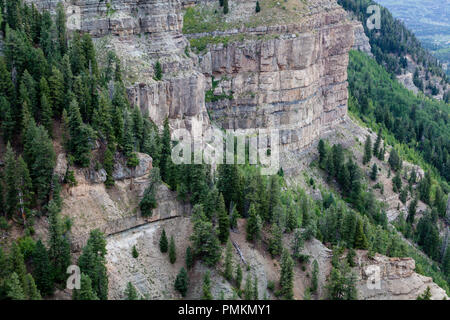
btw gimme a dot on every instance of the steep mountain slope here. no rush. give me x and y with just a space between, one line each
284 68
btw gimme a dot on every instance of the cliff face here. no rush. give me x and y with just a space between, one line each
288 77
288 74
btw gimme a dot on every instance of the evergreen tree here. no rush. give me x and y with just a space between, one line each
275 242
248 292
165 151
425 188
224 220
56 86
189 258
86 292
130 292
59 247
255 288
254 224
228 272
234 217
11 195
426 295
238 276
205 242
315 277
297 244
412 211
360 237
15 290
274 193
394 160
367 150
79 143
42 270
92 262
108 165
30 290
158 71
287 275
172 251
291 219
16 263
148 202
376 146
7 122
61 28
163 243
374 172
403 195
207 287
397 183
182 282
46 115
40 158
24 187
258 8
134 252
225 6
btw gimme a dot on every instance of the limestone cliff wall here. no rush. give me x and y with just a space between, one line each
293 78
296 83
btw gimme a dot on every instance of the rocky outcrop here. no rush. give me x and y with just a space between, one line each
397 279
361 40
90 205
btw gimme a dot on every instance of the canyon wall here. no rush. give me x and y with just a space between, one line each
292 77
285 75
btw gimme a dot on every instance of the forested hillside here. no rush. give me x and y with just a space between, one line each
393 42
419 123
57 98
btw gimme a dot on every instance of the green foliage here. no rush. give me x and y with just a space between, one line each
367 150
163 242
257 8
224 220
205 243
287 275
86 291
134 252
189 258
275 242
207 287
315 277
158 71
92 262
59 246
238 277
42 270
15 290
374 172
130 292
254 225
342 281
172 251
80 136
360 237
416 125
148 202
182 282
228 268
426 295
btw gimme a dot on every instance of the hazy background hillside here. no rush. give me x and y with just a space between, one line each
429 20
